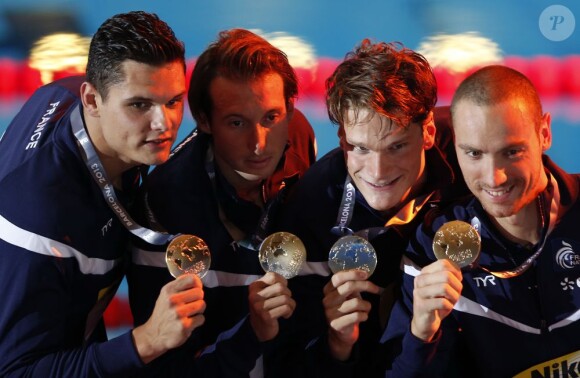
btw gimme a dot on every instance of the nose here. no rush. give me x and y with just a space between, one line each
160 119
378 166
259 140
495 174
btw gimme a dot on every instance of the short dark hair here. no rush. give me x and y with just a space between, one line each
138 36
237 54
495 84
386 78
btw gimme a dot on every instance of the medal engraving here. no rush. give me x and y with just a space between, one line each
457 241
352 252
187 254
282 253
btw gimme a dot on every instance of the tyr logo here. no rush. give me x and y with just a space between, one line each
482 281
105 228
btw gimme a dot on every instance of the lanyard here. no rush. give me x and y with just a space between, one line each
553 216
93 163
346 210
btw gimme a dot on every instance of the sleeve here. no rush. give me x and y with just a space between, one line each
146 276
235 353
39 336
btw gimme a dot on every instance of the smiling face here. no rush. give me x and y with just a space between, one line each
249 127
385 161
138 121
500 154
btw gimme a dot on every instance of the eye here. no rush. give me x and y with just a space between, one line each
515 153
397 146
271 119
140 105
236 123
473 154
360 149
174 103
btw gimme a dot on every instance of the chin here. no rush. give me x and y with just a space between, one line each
155 160
499 211
381 205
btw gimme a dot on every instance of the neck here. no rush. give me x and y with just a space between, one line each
253 194
413 192
523 227
113 166
114 170
249 190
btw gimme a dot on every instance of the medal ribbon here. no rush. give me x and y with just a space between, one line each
553 216
93 163
345 210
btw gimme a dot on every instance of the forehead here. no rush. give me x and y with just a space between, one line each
366 123
503 121
147 81
228 94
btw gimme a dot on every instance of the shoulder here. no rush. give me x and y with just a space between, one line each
185 164
313 201
323 177
300 127
180 184
49 187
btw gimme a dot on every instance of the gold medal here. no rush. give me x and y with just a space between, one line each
187 254
283 253
457 241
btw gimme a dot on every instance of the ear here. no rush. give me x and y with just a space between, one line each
203 125
342 137
90 99
429 131
545 132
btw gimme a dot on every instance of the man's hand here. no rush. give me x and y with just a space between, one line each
345 309
178 311
269 299
436 290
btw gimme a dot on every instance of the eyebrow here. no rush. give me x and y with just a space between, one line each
149 99
137 98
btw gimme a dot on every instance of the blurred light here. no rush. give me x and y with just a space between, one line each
460 52
300 53
59 52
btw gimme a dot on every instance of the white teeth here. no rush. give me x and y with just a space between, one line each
383 184
497 193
